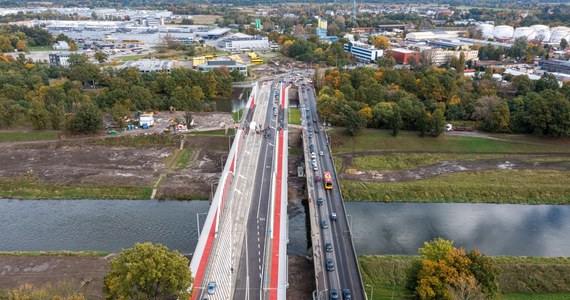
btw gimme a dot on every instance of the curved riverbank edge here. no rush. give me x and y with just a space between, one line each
520 277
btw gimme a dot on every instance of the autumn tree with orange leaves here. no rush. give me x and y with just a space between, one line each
448 273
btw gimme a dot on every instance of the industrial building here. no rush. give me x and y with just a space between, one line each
221 63
440 56
240 41
363 52
431 35
559 66
60 58
150 65
403 55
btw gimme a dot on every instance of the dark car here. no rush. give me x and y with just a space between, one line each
324 224
317 178
333 216
330 264
333 294
346 294
320 201
328 247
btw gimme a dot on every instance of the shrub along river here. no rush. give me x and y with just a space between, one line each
378 228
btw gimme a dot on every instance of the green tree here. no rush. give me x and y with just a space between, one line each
88 119
10 111
354 122
38 114
438 121
148 271
396 122
101 57
118 112
500 118
423 121
57 115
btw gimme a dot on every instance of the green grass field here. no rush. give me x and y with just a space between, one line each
374 140
494 186
21 188
294 116
184 158
218 132
525 278
40 48
13 136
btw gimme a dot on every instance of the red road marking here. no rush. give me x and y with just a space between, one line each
204 260
274 279
252 102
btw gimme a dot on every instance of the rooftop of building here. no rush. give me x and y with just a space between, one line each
150 64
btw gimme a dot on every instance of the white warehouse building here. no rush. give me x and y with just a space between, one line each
240 41
363 52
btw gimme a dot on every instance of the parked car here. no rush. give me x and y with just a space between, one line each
212 287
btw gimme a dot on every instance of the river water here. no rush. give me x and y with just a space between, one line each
378 228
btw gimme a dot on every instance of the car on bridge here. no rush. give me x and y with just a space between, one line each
324 224
212 287
346 294
330 265
333 294
333 216
320 201
328 247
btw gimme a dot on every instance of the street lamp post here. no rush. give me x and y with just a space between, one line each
372 293
198 222
222 162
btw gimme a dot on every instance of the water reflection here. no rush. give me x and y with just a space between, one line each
99 225
401 228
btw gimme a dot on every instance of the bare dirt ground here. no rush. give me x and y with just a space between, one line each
518 161
53 162
301 278
199 178
57 270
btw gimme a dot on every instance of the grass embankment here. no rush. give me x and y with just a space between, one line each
218 132
139 141
520 277
294 116
185 157
238 115
26 188
54 253
375 140
497 186
491 186
15 136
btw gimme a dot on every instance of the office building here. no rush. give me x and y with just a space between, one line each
363 52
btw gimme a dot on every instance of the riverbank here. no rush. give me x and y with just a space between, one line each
520 277
68 271
375 166
126 167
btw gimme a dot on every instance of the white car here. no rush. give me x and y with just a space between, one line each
321 153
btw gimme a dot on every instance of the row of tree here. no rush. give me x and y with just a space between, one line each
427 98
74 97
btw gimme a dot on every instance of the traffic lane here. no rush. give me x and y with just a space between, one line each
255 229
348 269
